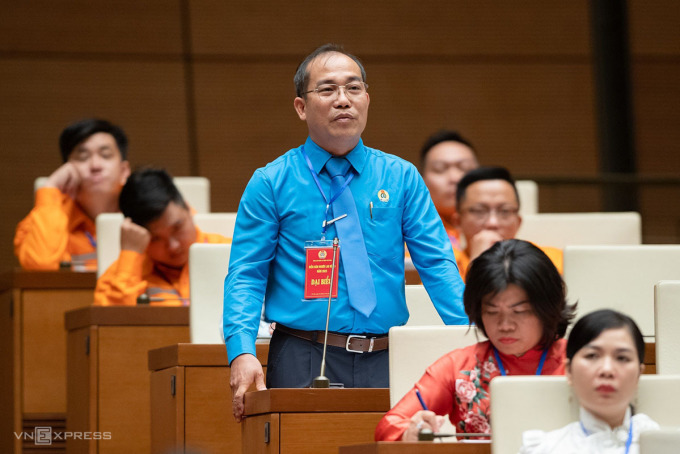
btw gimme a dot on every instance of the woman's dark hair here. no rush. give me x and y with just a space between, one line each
526 266
591 325
146 195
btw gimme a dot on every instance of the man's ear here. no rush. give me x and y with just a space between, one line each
300 107
125 171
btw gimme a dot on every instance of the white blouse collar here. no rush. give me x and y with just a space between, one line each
593 425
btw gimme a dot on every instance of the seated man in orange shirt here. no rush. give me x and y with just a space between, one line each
445 157
488 212
60 228
154 240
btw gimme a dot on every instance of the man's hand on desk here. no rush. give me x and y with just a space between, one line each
245 370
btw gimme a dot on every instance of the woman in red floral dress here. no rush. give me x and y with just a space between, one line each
516 297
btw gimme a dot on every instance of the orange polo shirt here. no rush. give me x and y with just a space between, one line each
55 231
555 255
133 274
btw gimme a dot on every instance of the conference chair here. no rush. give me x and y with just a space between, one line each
528 196
619 277
108 233
420 308
194 190
414 348
526 402
666 323
208 265
664 441
565 229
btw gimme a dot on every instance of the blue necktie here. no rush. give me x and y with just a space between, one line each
352 247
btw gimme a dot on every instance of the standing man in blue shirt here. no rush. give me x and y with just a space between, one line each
292 209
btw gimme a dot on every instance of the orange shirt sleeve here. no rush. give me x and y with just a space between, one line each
122 282
41 238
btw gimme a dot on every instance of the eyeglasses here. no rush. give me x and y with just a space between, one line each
332 91
482 213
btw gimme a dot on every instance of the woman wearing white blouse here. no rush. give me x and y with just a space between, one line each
605 354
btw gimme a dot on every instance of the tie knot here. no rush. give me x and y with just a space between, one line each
337 167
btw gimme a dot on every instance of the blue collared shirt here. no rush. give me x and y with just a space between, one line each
282 207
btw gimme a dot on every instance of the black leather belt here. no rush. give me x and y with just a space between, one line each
355 343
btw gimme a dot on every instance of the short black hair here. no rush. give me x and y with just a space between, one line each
520 263
443 135
146 195
75 133
591 325
482 174
301 78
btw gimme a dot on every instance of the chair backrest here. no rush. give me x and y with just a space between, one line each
619 277
566 229
208 265
194 190
414 348
666 323
420 308
520 403
108 233
664 441
528 196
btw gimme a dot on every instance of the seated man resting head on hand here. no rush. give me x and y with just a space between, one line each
154 239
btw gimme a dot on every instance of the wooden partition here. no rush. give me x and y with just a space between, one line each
33 350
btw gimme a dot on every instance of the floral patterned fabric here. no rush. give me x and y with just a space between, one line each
457 384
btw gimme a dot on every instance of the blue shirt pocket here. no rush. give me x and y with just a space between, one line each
383 235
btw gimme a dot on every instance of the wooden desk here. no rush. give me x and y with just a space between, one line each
398 447
108 376
311 421
191 399
33 349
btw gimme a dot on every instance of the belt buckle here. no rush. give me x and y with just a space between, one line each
358 336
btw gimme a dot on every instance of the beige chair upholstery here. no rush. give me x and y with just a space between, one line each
619 277
520 403
565 229
664 441
194 190
414 348
667 323
420 308
108 233
208 265
528 196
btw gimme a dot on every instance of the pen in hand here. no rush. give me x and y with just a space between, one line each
422 402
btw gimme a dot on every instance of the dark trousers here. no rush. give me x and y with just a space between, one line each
295 362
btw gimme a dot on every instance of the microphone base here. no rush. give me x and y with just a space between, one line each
321 382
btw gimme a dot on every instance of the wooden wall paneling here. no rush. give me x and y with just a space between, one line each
656 98
96 26
167 430
564 198
7 359
654 27
660 214
384 27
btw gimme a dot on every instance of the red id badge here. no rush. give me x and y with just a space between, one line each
318 266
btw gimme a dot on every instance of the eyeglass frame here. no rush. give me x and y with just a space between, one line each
337 91
509 213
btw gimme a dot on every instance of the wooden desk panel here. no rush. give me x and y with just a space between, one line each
311 421
197 417
33 384
107 364
397 447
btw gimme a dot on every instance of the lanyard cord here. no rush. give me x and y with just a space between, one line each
629 440
91 239
318 185
539 370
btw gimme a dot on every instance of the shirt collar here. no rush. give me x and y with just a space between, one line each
593 424
318 156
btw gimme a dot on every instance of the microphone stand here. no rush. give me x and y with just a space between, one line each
322 381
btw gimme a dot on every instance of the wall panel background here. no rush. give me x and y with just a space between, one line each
205 87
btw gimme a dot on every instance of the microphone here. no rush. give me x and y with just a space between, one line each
322 381
145 299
